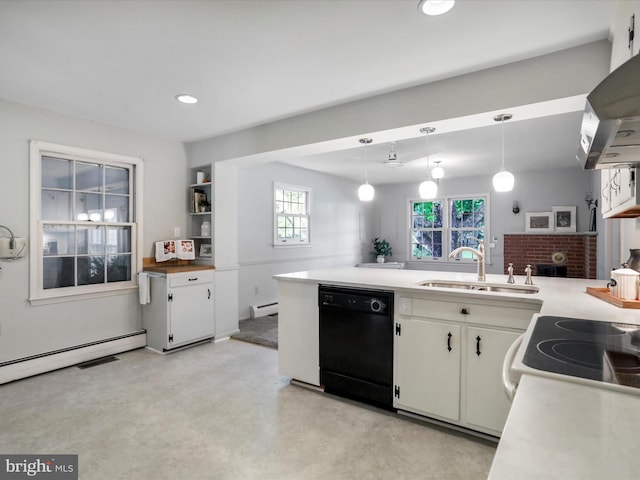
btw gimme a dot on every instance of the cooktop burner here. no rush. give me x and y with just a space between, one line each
603 351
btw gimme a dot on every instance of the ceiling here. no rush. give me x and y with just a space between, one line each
250 62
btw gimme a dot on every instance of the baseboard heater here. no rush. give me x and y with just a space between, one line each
264 310
66 357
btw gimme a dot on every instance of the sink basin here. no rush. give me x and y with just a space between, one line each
481 286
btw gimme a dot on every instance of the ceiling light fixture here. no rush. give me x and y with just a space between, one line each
186 98
392 161
428 189
435 7
503 180
438 172
366 191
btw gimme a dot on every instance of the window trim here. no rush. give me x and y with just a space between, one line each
446 227
286 186
37 294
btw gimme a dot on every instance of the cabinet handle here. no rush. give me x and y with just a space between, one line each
193 279
208 293
449 341
464 311
478 345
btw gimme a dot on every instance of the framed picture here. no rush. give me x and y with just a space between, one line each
564 218
206 250
539 222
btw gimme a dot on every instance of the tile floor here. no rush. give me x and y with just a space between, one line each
221 411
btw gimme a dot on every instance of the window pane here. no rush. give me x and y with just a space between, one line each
88 177
90 270
116 208
89 207
116 180
58 240
57 173
118 268
90 240
56 205
118 239
279 194
58 272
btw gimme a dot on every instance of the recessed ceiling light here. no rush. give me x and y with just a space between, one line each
435 7
186 98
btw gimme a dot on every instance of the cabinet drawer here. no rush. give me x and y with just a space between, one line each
468 312
190 278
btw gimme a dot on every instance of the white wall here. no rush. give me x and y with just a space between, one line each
339 229
535 192
27 330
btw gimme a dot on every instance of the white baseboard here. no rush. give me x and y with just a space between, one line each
264 310
30 366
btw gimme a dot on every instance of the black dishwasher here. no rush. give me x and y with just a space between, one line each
356 343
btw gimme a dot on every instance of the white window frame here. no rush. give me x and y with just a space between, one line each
277 242
446 227
37 294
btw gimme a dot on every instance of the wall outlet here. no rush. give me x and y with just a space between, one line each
176 232
405 306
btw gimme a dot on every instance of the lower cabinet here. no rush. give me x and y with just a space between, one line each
487 405
448 359
181 309
428 355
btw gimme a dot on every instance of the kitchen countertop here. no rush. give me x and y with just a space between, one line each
559 296
176 268
562 430
556 429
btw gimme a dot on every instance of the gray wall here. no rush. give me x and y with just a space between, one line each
27 330
339 229
535 191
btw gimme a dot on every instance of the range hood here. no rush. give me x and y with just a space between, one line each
610 132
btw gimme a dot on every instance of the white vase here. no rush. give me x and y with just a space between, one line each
380 258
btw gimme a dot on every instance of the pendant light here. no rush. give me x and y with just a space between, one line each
503 180
428 189
438 172
366 191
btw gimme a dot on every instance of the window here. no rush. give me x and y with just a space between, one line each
85 212
291 215
440 226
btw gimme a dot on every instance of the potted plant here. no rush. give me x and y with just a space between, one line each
204 205
381 249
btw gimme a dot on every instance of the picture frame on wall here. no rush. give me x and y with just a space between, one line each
564 218
539 222
206 250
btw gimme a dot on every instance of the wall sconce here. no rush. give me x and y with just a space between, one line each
590 200
516 208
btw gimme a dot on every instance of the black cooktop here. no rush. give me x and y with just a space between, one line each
608 352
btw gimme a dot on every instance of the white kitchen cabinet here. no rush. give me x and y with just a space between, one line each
298 331
620 193
201 213
486 404
457 386
428 367
181 309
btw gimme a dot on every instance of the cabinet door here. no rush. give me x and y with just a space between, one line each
427 371
487 405
605 192
191 313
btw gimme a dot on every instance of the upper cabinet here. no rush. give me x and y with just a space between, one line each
626 20
620 193
200 208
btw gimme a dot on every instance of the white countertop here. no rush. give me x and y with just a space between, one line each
565 431
565 297
556 429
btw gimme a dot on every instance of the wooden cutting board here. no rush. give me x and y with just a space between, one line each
604 294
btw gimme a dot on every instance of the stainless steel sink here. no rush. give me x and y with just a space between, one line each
481 286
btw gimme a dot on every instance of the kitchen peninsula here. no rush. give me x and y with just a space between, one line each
299 359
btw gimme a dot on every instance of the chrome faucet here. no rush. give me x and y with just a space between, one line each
479 253
528 280
510 272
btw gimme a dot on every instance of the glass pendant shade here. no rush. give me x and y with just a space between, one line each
366 192
428 189
437 172
503 181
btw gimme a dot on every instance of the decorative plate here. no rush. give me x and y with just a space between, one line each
559 258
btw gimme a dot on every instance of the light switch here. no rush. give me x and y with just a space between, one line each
176 232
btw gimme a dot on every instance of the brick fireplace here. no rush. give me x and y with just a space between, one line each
523 248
